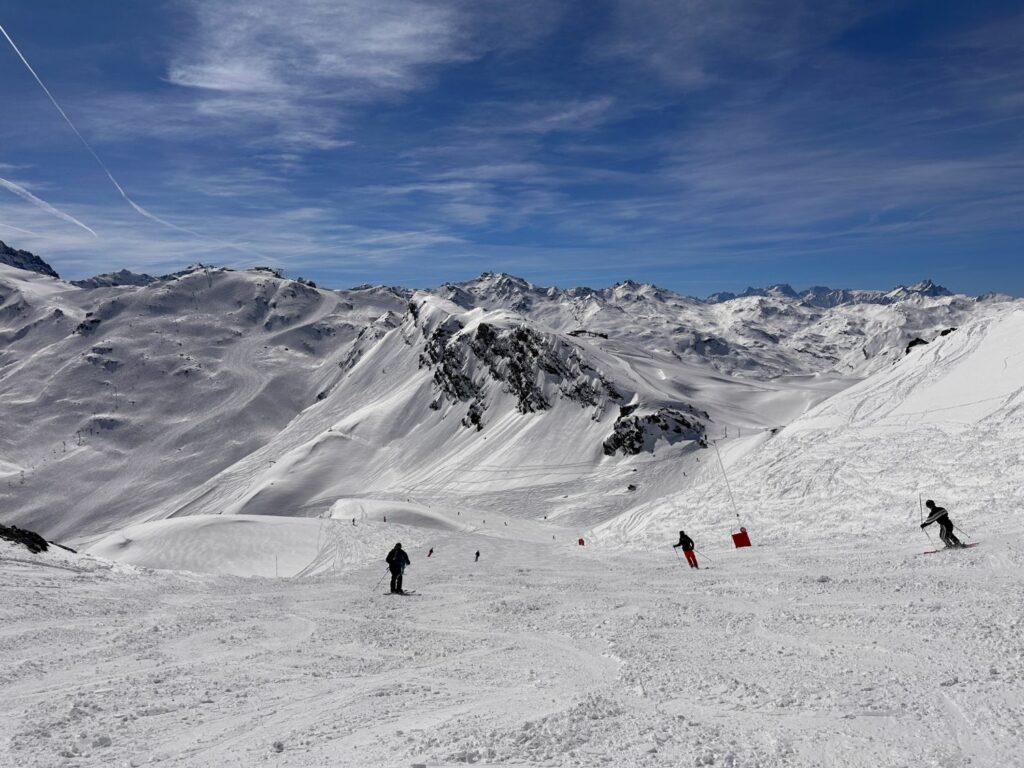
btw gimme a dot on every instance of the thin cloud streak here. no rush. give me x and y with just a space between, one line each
43 205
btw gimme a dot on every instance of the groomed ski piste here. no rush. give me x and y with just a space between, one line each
210 632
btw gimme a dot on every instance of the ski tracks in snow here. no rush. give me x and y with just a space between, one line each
812 655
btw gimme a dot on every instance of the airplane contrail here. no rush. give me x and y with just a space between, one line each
39 203
23 231
138 208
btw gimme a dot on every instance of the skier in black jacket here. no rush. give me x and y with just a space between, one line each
397 560
939 515
687 545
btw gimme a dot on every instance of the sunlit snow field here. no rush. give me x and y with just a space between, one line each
861 652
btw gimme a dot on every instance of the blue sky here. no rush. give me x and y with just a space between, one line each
699 144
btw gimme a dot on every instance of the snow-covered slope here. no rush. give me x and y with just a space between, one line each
114 399
219 392
946 422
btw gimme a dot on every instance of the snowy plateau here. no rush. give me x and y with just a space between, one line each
231 454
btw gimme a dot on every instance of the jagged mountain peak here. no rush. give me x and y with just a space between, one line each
115 279
825 297
19 259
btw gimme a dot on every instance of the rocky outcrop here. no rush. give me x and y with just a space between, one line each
32 541
114 279
25 260
533 367
638 429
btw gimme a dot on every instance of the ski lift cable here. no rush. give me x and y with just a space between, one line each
138 208
726 476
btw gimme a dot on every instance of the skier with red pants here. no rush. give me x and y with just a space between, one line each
686 543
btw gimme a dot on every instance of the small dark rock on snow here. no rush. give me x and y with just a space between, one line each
29 539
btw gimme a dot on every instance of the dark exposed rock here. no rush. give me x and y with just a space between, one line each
917 342
635 432
13 257
529 365
29 539
113 279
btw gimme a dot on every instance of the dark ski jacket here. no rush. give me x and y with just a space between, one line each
940 516
397 560
685 542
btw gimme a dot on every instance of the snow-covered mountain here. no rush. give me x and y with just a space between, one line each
241 392
822 296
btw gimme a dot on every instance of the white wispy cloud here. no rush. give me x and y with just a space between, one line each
24 194
299 66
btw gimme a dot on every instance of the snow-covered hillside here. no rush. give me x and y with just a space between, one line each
218 424
214 392
946 422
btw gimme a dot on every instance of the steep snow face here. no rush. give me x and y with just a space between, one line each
944 422
125 396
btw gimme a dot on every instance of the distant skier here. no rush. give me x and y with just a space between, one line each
687 546
939 515
397 560
477 556
430 552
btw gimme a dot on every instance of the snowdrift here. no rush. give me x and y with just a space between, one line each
261 545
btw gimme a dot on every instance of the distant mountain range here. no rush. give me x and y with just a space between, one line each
513 291
215 391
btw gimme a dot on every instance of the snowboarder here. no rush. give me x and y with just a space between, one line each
430 552
397 560
477 556
687 545
939 515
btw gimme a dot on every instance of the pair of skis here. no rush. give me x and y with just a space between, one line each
947 549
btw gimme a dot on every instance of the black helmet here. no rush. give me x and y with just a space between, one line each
398 545
929 503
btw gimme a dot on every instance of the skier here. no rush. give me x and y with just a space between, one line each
477 556
939 515
397 560
687 544
430 552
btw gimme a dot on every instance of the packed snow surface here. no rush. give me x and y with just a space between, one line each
855 652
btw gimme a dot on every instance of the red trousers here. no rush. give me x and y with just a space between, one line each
691 558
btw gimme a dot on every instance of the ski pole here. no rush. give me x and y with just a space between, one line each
377 586
678 558
701 553
925 530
